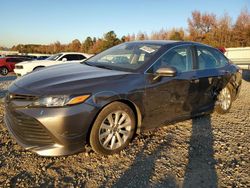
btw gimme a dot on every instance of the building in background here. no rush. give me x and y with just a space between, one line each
7 52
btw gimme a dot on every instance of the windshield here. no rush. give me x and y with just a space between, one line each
54 57
127 56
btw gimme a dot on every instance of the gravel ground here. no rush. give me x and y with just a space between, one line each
210 151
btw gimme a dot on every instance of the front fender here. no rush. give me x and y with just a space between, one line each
103 98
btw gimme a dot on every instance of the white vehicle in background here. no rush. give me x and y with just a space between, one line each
64 57
240 56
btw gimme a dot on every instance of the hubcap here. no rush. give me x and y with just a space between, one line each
115 130
225 98
4 71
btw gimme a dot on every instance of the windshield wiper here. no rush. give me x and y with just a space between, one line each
102 66
86 63
97 65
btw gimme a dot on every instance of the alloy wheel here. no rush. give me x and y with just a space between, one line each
225 99
4 71
115 130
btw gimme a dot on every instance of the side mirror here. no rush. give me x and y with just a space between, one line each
64 59
166 72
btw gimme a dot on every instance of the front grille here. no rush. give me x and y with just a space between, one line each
28 130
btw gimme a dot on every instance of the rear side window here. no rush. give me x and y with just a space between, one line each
209 58
81 57
73 57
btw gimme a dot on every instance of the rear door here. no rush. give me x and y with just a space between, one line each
213 75
171 98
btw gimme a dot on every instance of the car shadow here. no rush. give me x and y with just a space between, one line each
246 75
200 170
143 167
23 175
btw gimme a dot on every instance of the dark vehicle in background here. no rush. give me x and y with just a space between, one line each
29 57
7 64
122 91
42 57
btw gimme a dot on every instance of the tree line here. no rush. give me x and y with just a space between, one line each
202 27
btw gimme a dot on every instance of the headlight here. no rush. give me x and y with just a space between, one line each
18 67
59 100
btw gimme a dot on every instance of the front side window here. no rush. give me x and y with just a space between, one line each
70 57
179 58
54 57
209 58
129 56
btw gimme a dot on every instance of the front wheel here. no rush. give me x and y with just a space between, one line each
224 101
4 71
113 129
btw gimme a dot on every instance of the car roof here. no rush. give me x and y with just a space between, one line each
159 42
65 53
166 42
10 57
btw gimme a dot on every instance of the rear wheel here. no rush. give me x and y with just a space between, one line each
113 129
4 71
224 101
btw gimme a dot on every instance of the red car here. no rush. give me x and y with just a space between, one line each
7 64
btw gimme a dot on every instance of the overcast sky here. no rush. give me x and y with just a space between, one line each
47 21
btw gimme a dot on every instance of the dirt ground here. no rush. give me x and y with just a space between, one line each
210 151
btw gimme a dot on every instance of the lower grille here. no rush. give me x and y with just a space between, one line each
21 97
28 130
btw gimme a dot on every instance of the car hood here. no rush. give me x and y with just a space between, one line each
40 62
70 78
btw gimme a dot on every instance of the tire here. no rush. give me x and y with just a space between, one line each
224 100
4 71
113 129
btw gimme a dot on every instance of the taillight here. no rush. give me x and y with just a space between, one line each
222 49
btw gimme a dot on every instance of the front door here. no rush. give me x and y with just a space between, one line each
171 98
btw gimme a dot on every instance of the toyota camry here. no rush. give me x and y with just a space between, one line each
108 99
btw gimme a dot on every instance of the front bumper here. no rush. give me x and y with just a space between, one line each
50 131
20 72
